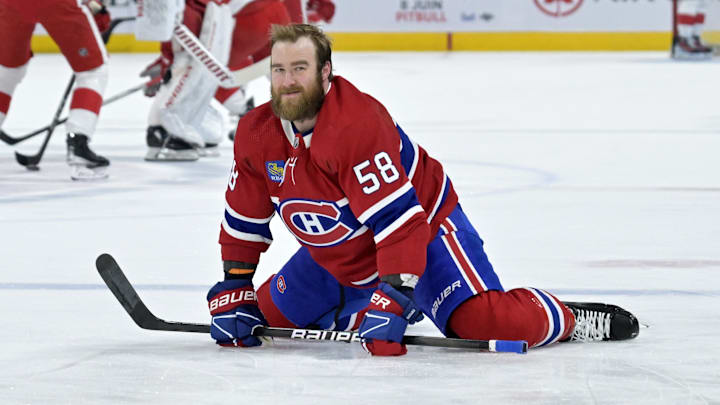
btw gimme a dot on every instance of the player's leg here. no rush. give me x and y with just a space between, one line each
182 121
16 31
296 10
163 145
462 295
303 294
698 27
72 27
689 14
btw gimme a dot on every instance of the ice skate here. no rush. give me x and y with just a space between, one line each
249 105
686 49
701 46
597 322
84 163
163 146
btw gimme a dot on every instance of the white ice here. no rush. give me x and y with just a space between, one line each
592 175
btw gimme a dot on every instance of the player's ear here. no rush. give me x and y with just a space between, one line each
325 71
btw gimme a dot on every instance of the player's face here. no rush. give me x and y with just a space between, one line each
296 84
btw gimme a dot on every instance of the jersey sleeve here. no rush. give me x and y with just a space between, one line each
245 230
380 194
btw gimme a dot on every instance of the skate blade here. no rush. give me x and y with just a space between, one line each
170 155
208 152
84 173
686 56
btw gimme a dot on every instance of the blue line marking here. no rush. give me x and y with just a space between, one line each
202 287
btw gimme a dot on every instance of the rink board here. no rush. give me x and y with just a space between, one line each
445 41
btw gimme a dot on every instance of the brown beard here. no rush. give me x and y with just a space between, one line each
304 107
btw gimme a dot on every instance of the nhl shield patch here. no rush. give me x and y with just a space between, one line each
275 170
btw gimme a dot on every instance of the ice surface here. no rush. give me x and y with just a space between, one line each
592 175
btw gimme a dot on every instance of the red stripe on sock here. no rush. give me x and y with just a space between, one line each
700 19
4 102
685 19
86 99
223 94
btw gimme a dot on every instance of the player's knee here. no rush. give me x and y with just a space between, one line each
10 77
271 312
93 79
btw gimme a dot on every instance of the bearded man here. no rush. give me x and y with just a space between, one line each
383 239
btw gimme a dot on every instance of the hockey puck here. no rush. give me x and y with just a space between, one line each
32 168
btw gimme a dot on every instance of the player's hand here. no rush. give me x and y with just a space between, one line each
320 10
100 14
234 310
389 313
157 71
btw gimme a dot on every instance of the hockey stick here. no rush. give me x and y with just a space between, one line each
13 140
199 52
125 293
220 72
31 161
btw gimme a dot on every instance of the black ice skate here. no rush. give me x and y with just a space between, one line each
84 163
163 146
249 105
701 46
686 49
595 322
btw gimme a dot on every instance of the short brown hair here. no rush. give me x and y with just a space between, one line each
293 32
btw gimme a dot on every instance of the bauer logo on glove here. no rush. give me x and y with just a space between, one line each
229 299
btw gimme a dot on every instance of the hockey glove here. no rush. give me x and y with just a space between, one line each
100 14
320 10
157 72
234 310
389 313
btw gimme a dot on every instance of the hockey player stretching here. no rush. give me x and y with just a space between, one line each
70 24
384 240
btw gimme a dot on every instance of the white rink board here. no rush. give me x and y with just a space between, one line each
500 15
482 15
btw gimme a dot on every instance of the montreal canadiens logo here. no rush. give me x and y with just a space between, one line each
316 223
281 286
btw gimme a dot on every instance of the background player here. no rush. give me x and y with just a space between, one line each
71 26
690 21
384 239
171 134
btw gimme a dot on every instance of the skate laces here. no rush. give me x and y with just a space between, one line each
590 326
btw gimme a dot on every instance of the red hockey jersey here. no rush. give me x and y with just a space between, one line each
364 199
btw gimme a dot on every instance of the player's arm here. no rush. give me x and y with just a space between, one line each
320 10
244 235
373 177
